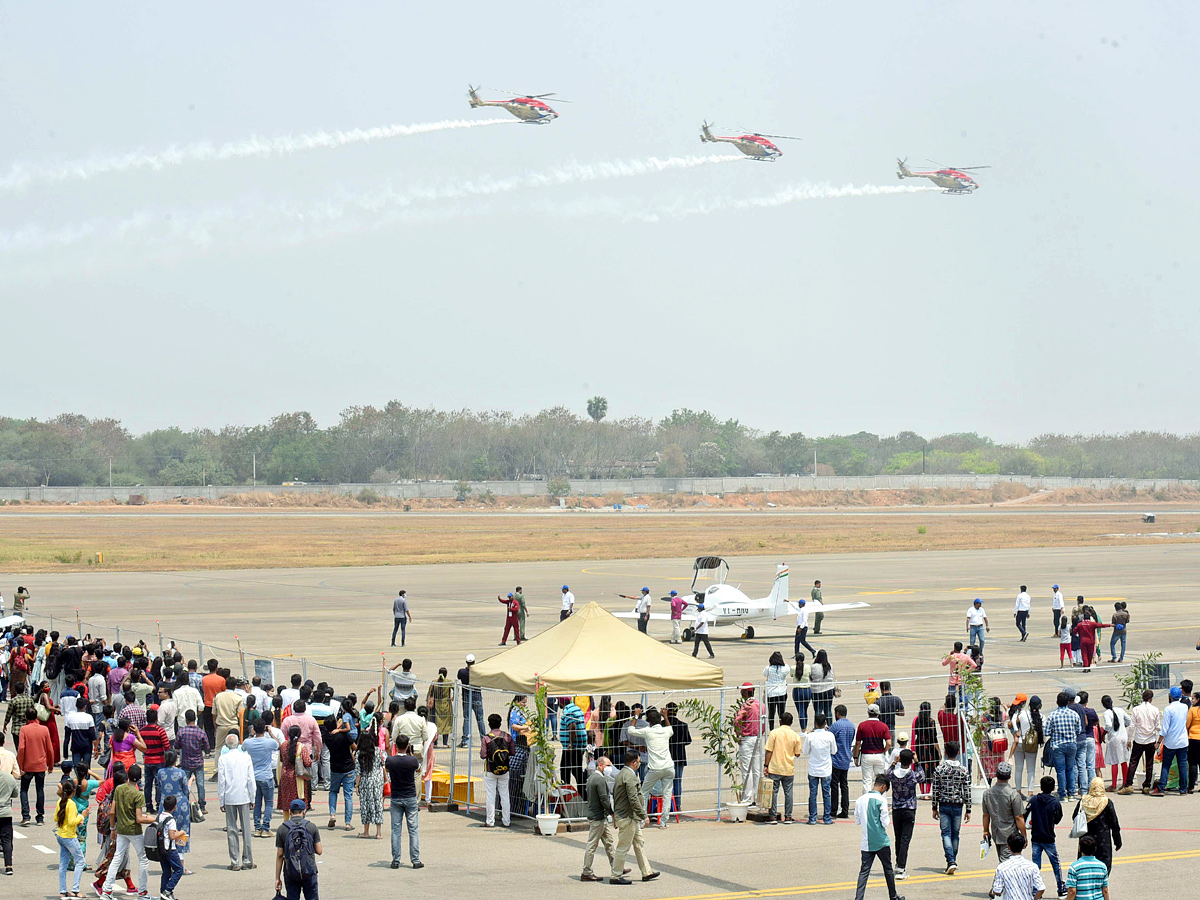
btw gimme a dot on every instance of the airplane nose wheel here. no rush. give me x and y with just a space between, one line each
749 631
689 634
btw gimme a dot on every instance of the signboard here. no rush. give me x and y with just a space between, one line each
265 669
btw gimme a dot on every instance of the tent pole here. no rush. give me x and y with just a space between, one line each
720 774
455 694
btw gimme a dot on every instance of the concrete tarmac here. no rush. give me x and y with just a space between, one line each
342 616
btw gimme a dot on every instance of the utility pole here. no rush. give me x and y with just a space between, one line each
922 459
110 475
254 469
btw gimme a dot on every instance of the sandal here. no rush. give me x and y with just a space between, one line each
348 828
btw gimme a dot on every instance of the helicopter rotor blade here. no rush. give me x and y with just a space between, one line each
970 168
780 137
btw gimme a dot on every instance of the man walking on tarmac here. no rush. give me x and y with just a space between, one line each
1058 604
1021 611
820 616
401 617
568 603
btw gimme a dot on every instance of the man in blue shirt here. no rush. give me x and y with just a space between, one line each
1174 743
262 751
843 732
572 734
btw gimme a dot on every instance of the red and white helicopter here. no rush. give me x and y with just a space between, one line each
723 604
951 179
529 108
754 145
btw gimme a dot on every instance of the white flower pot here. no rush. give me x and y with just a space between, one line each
548 823
738 810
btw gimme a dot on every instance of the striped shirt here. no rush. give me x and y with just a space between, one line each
1061 726
155 739
571 729
1089 877
1017 879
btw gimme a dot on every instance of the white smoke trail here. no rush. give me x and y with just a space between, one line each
793 194
340 214
22 176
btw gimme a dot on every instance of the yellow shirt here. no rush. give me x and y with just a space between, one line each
784 745
1193 723
71 821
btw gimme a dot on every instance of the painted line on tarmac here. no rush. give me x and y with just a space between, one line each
975 590
43 849
880 593
920 879
18 836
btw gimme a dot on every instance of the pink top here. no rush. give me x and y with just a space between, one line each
310 731
749 719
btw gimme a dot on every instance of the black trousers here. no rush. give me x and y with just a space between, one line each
1057 620
6 840
210 727
903 822
839 792
864 872
802 641
1022 622
572 765
1140 750
39 781
643 622
776 706
563 615
707 645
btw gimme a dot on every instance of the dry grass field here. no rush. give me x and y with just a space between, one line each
168 538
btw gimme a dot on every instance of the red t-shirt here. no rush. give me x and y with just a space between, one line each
155 739
872 736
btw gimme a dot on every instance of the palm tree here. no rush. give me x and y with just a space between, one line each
597 409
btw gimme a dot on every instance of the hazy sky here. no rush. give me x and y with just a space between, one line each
1061 296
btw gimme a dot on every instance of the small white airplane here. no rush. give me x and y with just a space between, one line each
723 604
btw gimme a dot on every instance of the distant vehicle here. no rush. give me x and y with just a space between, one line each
294 483
531 109
726 605
754 145
951 179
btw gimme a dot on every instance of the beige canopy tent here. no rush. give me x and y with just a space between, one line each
593 652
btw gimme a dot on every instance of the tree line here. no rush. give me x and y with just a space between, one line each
398 442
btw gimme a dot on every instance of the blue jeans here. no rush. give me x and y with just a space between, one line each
172 871
786 782
677 786
1112 645
404 809
199 776
1179 754
950 820
1064 756
801 697
400 625
264 799
344 782
1085 764
68 851
472 702
1051 851
977 636
824 783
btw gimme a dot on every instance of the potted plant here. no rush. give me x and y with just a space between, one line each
542 761
721 740
1137 678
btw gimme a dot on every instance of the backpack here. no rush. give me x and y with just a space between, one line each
299 851
498 755
152 837
1029 743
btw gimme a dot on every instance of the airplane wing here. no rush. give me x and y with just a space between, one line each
666 617
827 607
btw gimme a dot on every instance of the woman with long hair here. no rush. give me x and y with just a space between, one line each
68 820
171 780
1117 740
443 705
616 724
42 696
296 761
948 720
823 685
430 740
125 744
85 787
776 674
802 692
518 725
370 779
1025 724
925 744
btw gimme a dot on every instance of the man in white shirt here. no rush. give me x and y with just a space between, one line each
642 608
168 711
977 623
700 630
802 628
404 682
1147 721
1057 605
262 700
186 697
235 793
1021 611
97 687
411 725
290 695
660 775
568 603
819 746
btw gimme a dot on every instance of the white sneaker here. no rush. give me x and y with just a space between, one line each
901 874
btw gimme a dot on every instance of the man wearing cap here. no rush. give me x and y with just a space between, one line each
677 605
977 623
1003 811
296 865
748 723
872 741
1021 612
643 610
802 628
472 701
568 603
1174 743
1057 605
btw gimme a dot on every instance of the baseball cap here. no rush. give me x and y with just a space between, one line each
510 596
565 588
470 657
1005 768
1020 698
645 590
298 805
873 708
902 737
674 593
1176 692
801 601
976 600
1055 587
747 686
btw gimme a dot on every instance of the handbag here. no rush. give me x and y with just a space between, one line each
1079 823
43 714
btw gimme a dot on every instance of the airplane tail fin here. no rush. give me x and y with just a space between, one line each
904 170
705 134
779 592
472 97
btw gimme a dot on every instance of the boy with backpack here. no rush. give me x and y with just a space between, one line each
496 751
297 846
161 838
